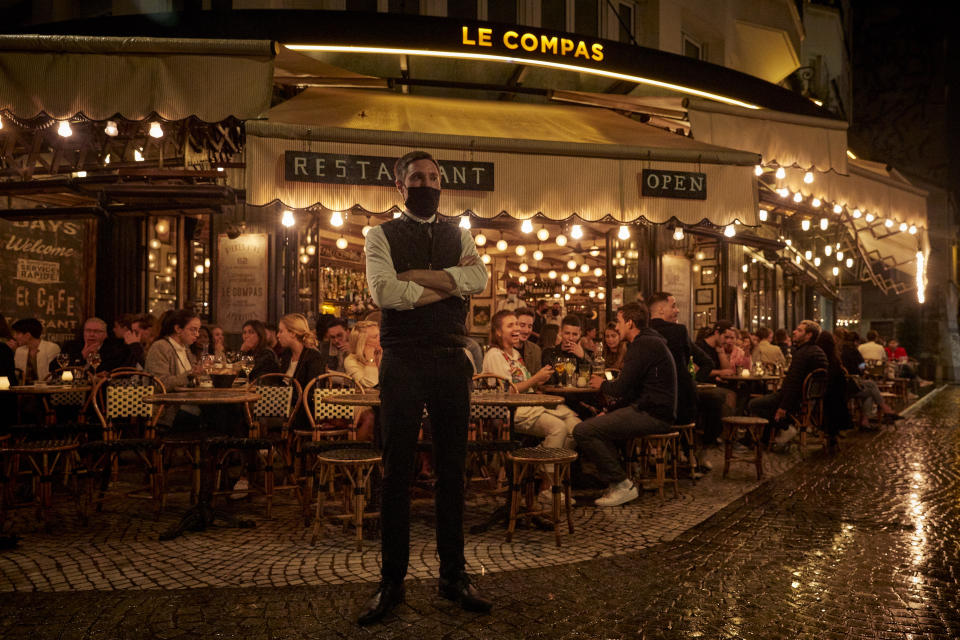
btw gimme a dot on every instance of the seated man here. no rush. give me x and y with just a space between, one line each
113 353
766 352
335 346
807 356
530 351
569 348
646 403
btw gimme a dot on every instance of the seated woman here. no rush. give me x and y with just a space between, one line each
836 417
301 360
867 394
363 365
171 360
614 349
555 426
254 335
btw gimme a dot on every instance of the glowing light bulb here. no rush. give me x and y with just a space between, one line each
156 131
336 219
805 224
572 290
601 295
464 222
815 202
304 259
758 170
824 224
396 214
501 245
594 251
763 215
797 259
816 261
480 240
111 128
64 129
781 173
138 155
789 242
869 217
571 264
162 227
287 218
523 267
888 223
808 177
311 249
783 192
808 254
522 279
598 272
552 274
564 277
903 226
365 230
526 226
576 232
827 250
624 232
566 296
913 230
485 258
729 231
584 268
678 233
592 294
538 255
849 263
521 250
797 197
561 240
106 159
542 234
198 268
576 280
342 243
745 268
836 271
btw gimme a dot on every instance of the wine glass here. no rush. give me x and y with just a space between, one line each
94 360
246 366
571 368
63 359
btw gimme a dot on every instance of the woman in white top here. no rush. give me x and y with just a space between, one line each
555 426
363 362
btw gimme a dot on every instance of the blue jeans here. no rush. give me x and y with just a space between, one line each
597 438
411 377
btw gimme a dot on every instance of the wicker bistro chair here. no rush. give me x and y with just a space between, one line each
662 448
129 427
734 429
810 418
527 462
275 408
354 467
42 460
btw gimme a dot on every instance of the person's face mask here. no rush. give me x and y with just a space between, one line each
422 201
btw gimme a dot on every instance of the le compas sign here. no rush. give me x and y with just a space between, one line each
513 41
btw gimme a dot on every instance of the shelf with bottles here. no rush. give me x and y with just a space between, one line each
341 285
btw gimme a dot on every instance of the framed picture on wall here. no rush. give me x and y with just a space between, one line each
481 311
708 276
704 296
708 252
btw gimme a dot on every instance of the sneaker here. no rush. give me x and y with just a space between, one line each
240 489
924 383
618 495
547 496
786 436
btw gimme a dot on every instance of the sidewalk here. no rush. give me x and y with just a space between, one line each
859 545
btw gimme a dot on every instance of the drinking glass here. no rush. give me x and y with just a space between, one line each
63 360
246 366
94 360
571 369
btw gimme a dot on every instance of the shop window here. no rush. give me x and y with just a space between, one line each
625 13
162 264
462 9
586 17
198 280
553 15
404 6
693 48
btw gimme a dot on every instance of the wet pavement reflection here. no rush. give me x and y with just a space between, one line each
863 544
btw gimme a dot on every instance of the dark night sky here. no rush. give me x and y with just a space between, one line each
900 89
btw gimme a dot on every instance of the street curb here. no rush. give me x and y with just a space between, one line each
916 406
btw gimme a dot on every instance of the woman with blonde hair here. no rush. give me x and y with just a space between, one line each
301 360
363 362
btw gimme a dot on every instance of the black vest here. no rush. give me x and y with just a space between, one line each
415 245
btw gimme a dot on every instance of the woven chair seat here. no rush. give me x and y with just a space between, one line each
325 446
241 443
662 436
126 444
745 421
543 454
41 446
349 455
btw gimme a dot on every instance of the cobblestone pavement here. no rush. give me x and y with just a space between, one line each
864 544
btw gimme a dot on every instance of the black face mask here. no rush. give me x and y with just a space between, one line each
422 201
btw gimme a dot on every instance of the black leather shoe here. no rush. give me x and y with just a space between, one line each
462 591
388 596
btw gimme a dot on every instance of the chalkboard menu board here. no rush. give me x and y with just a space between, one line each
44 266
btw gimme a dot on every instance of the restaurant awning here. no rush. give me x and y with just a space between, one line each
558 161
134 78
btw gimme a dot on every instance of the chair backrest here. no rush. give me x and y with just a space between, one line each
319 411
279 397
70 398
815 385
119 396
486 382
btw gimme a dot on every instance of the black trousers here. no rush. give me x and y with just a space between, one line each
411 378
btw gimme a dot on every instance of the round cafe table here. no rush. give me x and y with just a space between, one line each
45 390
202 515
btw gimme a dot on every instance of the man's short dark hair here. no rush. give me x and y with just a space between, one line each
571 320
523 311
764 333
402 166
721 326
336 322
28 325
872 336
635 312
659 296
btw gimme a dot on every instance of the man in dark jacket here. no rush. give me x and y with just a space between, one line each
646 403
709 403
807 356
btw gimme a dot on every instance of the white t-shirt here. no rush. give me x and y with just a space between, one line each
872 351
292 368
507 365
